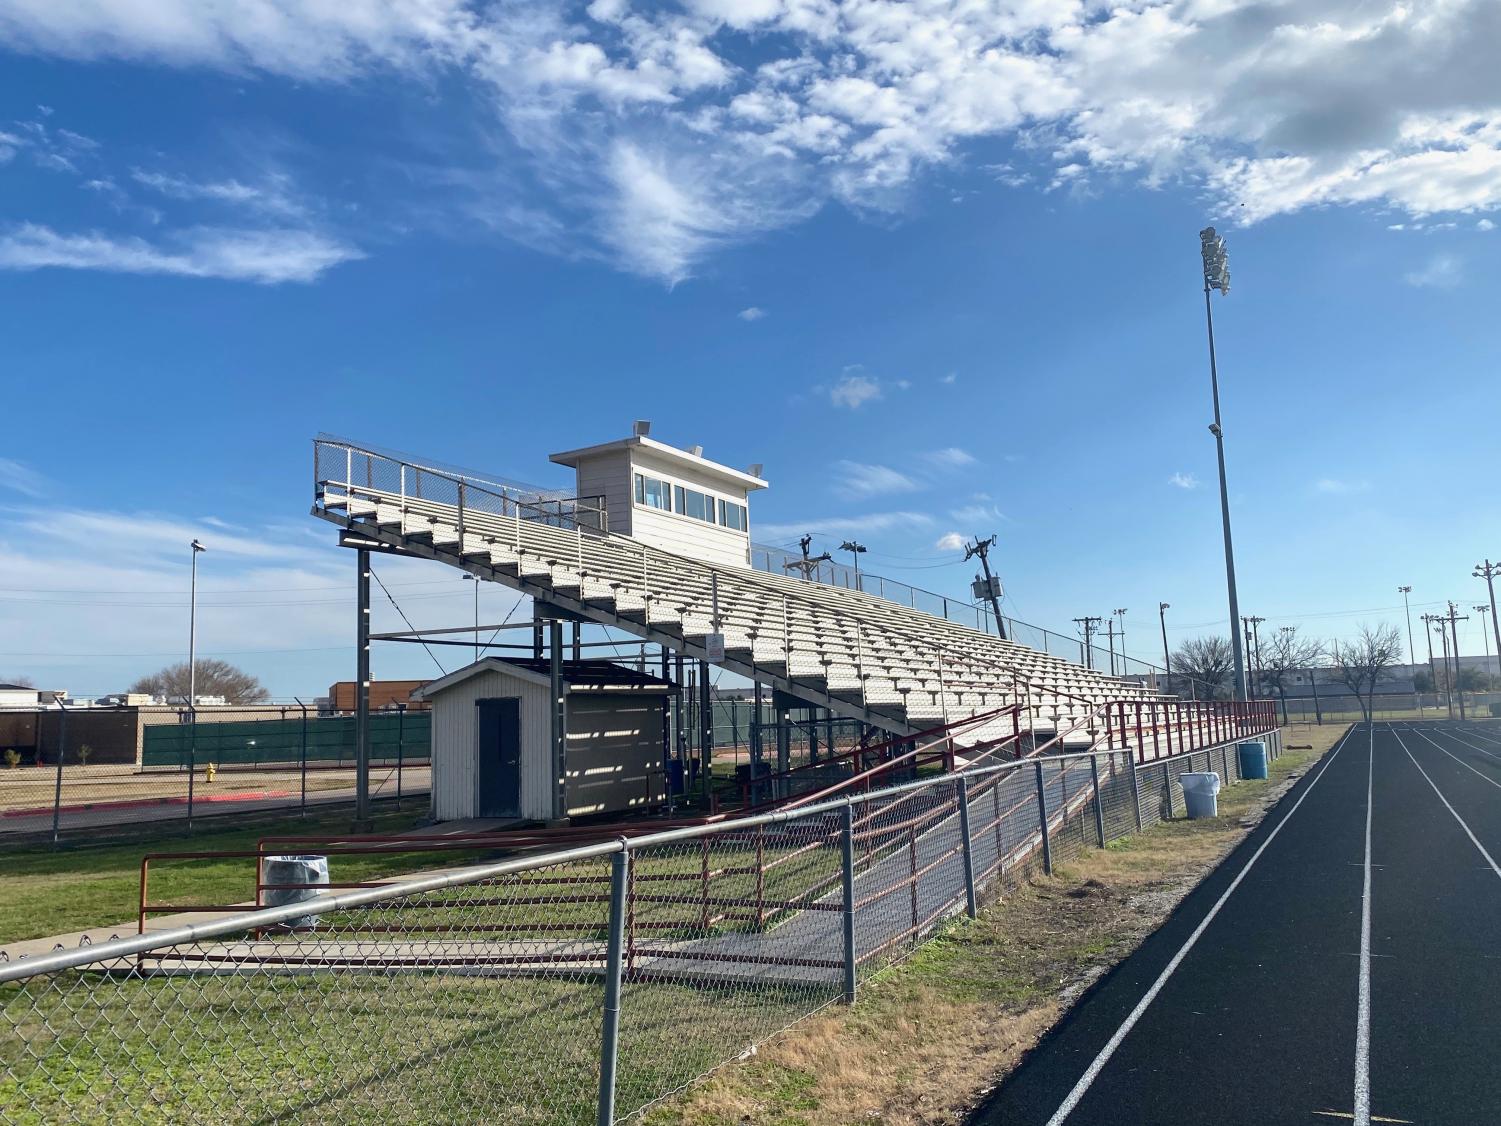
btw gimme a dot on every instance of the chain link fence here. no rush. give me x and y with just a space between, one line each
570 987
73 769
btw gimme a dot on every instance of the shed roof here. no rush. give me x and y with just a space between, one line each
578 676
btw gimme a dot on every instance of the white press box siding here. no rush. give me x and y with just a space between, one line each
677 482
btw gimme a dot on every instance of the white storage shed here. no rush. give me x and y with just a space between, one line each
492 739
673 499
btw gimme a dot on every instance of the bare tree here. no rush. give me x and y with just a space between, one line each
1283 659
1360 664
1208 660
215 678
18 680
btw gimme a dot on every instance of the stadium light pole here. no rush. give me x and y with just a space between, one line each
1121 632
467 575
855 549
1217 276
193 631
1485 641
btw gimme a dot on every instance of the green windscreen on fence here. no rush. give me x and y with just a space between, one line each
328 739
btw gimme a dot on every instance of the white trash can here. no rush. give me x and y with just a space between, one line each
304 874
1199 794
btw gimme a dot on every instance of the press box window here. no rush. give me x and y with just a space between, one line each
652 493
692 503
732 515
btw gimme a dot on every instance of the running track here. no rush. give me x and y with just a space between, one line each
1342 965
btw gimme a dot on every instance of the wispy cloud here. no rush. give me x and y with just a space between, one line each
952 457
951 378
273 196
951 541
854 391
268 257
20 478
856 480
1443 271
1184 480
1337 486
754 313
977 514
845 525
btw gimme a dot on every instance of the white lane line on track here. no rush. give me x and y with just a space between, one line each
1459 760
1489 859
1092 1072
1363 1006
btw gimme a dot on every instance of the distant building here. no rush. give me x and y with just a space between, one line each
18 696
384 696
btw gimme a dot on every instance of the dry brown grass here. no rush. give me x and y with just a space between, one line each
930 1036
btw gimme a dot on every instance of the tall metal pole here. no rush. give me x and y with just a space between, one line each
1167 660
1121 634
1412 653
193 677
1488 571
1485 640
1208 238
1455 617
362 823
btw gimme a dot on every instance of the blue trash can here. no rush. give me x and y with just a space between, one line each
1252 760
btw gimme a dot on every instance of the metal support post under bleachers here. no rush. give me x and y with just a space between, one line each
784 744
559 719
362 823
757 754
705 729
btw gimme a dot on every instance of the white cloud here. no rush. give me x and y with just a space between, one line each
855 480
21 478
1184 480
951 541
1485 225
951 378
1337 486
268 257
977 514
658 135
274 196
952 457
753 313
903 385
854 390
1443 271
868 524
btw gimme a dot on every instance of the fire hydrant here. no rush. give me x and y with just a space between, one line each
209 771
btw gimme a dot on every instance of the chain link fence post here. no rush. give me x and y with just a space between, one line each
57 791
961 789
1135 788
609 1050
1099 808
847 857
1167 788
1042 820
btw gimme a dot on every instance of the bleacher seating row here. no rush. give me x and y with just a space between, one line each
888 664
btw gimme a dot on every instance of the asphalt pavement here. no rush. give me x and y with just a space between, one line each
1343 964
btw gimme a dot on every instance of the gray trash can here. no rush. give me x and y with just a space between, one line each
279 871
1199 794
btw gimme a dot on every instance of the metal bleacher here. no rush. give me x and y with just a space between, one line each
861 656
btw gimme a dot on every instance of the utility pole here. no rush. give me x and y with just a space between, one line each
1485 641
1121 633
806 565
1455 617
1110 636
1217 276
476 580
1253 645
1167 660
1089 625
980 549
1488 571
1427 620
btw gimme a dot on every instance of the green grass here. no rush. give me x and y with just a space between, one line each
46 890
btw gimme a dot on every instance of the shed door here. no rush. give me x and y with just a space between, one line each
499 757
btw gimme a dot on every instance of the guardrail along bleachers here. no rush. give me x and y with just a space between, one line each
860 655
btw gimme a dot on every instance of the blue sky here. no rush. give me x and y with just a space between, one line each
936 269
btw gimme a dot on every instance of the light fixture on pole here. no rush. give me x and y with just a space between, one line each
1217 276
857 550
